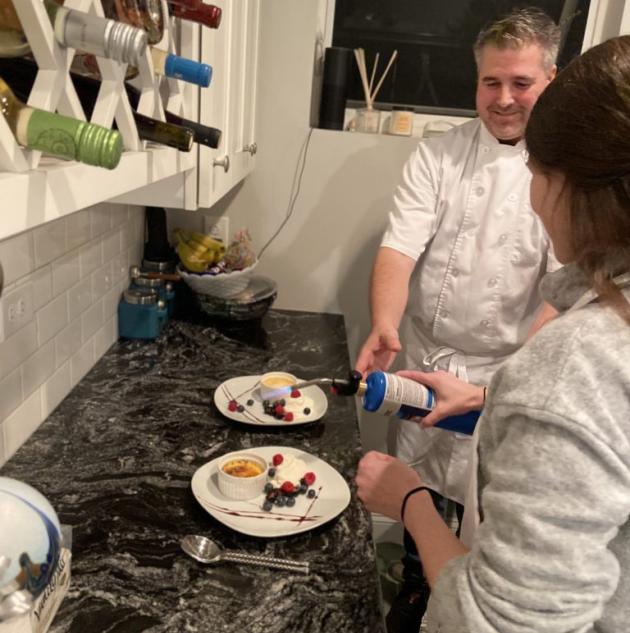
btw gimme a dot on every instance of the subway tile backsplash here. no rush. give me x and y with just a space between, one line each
78 267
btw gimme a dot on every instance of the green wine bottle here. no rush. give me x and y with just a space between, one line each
60 135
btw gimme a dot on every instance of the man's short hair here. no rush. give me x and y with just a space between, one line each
522 27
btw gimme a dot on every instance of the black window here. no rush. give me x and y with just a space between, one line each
435 68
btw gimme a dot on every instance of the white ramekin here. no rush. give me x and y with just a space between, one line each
241 488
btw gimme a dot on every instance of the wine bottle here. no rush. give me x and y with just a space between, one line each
21 74
60 135
86 66
203 134
196 11
181 68
143 14
75 29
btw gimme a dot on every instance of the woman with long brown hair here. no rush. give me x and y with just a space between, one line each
552 551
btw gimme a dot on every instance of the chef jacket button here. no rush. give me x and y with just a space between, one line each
470 233
485 323
445 314
454 272
480 191
485 149
515 259
512 197
492 282
502 238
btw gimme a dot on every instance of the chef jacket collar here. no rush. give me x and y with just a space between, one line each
485 138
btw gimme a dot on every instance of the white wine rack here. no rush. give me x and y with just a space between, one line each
39 188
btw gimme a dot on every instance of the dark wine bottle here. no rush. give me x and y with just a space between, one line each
20 73
196 11
86 66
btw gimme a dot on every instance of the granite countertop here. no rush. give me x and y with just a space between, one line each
116 459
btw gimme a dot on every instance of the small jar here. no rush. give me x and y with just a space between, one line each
401 121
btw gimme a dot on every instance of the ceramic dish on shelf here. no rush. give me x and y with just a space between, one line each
331 497
223 285
310 406
251 303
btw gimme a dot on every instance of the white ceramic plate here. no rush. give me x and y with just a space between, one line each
248 517
245 388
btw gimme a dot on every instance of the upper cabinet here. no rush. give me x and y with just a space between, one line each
233 100
37 188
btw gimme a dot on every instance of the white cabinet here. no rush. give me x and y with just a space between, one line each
231 105
37 189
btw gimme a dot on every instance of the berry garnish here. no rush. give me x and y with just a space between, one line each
232 405
306 411
303 488
288 417
290 501
277 459
267 505
311 493
268 487
309 479
295 393
240 408
271 472
279 409
287 487
250 402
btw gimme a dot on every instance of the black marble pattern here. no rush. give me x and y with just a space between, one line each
116 459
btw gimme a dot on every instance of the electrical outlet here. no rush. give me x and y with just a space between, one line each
217 226
17 309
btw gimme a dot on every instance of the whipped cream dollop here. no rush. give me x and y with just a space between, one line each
291 469
298 404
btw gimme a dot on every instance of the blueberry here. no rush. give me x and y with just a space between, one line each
311 493
268 487
271 472
290 502
267 505
240 408
281 501
303 488
282 402
250 402
306 411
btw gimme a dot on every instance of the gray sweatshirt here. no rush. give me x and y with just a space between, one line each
552 553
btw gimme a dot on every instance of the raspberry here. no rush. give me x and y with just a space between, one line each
288 417
287 487
277 459
295 393
279 409
309 479
232 405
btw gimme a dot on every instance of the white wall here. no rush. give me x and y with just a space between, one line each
77 266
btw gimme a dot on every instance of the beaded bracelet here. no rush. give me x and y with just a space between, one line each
404 503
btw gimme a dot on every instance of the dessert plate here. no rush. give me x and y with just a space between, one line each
244 389
248 517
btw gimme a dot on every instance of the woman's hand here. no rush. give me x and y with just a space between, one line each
383 481
453 395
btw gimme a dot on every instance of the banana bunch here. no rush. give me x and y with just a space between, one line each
198 251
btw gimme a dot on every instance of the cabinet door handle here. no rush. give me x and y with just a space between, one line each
222 162
1 279
252 148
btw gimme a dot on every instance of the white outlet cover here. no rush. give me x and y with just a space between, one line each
17 308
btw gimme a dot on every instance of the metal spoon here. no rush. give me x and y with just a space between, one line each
206 551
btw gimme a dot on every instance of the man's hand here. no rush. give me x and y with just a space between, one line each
378 351
383 481
453 396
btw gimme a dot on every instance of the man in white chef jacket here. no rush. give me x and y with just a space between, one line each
464 253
